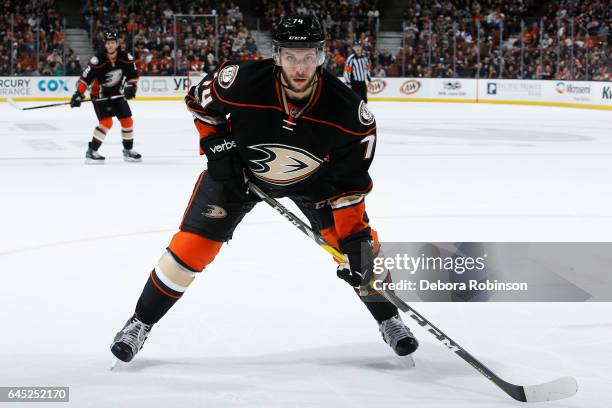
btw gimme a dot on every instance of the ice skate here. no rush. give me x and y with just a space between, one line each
397 335
130 339
93 157
130 155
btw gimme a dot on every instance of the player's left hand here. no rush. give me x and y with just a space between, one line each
76 99
359 249
129 91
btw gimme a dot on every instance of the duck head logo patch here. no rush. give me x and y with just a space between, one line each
214 211
112 78
283 165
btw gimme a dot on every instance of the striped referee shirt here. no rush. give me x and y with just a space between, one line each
356 68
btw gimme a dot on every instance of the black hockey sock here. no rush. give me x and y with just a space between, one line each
155 300
379 307
95 144
128 144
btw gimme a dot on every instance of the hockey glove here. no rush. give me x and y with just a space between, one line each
359 249
129 91
223 162
76 99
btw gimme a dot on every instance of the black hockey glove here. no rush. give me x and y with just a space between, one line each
224 164
359 248
129 91
76 99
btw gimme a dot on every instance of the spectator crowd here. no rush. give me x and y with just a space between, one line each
147 30
29 30
530 39
491 38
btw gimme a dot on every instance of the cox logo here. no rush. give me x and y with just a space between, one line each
53 85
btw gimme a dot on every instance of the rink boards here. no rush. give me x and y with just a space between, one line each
574 94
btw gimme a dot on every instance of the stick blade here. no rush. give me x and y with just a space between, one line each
555 390
13 104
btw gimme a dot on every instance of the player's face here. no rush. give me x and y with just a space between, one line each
111 46
299 66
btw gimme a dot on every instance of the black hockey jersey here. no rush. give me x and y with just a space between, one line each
320 149
105 77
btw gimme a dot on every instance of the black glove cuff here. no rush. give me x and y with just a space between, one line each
218 145
220 150
352 243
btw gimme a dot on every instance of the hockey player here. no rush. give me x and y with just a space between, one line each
296 131
111 73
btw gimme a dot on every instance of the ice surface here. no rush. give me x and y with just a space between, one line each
268 324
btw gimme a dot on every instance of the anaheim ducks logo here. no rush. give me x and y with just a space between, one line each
112 78
214 211
283 165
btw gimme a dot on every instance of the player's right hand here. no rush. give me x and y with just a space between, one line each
224 164
359 249
76 99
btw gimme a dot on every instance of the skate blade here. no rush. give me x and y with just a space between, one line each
94 162
116 364
407 362
131 160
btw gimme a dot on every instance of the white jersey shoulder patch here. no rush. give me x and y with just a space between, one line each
227 76
366 117
130 57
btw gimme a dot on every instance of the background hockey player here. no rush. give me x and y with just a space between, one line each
112 76
296 131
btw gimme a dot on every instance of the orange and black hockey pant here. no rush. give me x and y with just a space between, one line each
212 215
107 108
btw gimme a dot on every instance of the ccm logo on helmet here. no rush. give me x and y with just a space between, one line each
223 146
293 37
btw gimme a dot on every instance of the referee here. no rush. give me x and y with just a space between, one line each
356 72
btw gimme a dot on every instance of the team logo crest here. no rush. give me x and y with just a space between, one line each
227 76
283 165
112 78
366 117
214 211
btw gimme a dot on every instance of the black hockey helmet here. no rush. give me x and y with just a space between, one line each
110 34
299 31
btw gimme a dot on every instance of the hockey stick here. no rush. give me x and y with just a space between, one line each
558 389
14 104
